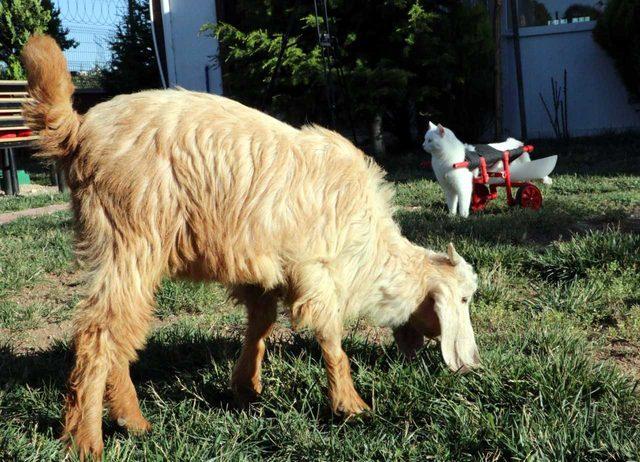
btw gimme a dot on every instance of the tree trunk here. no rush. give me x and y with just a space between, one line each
519 78
377 140
414 132
497 40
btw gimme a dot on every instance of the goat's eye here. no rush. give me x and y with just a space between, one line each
465 299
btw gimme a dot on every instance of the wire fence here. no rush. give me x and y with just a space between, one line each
91 23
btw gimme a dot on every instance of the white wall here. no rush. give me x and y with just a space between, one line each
598 100
188 51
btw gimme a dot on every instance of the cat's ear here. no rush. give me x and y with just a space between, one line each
441 130
432 126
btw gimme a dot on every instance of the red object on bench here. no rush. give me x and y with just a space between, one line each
20 134
14 131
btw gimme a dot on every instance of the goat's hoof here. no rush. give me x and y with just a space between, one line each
137 425
246 393
351 406
88 447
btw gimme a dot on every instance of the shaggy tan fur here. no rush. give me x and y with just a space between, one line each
183 184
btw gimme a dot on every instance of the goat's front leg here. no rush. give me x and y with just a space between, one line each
343 395
317 307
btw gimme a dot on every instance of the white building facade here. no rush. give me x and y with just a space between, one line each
187 55
597 99
550 42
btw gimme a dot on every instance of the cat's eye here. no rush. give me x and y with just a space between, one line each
465 299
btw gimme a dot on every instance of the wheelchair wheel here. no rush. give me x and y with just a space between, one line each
480 197
529 196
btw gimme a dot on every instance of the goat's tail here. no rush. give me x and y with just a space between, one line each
50 112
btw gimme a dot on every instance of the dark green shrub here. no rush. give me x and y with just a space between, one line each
19 19
579 11
564 261
133 66
400 61
618 32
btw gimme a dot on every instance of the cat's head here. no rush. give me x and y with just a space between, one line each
438 139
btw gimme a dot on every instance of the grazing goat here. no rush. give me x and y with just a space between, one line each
183 184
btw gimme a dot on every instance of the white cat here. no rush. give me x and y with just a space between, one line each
457 183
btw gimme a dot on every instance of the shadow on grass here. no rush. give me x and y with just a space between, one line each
603 155
541 372
169 367
499 226
175 366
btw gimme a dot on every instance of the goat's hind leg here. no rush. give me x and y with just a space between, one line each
261 316
111 325
123 401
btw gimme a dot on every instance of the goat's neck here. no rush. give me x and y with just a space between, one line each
399 287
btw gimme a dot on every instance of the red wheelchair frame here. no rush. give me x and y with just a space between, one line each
527 196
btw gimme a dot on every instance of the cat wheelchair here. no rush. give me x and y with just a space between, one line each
493 168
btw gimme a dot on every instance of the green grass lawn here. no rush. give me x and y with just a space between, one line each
557 317
40 174
15 203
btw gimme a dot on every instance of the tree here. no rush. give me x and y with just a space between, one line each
55 28
372 77
133 64
580 11
396 59
250 41
618 32
463 70
19 19
91 78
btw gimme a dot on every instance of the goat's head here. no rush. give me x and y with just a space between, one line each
443 312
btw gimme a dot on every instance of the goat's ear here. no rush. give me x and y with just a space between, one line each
432 126
441 130
457 340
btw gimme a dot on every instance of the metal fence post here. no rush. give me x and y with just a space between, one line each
518 58
14 172
7 183
61 180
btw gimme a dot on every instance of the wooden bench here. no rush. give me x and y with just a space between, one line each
14 133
